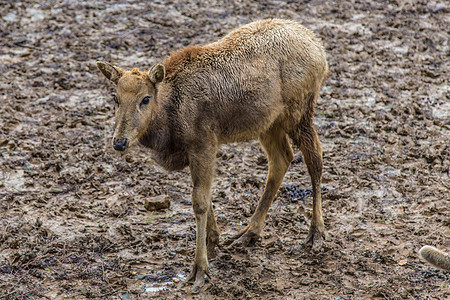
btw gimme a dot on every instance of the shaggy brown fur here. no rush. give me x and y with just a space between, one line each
260 81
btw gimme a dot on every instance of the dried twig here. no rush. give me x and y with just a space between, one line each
110 293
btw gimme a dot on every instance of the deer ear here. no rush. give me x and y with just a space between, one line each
157 73
111 72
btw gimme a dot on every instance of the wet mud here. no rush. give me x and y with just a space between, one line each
74 223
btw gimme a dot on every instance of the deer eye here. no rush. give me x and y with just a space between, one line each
115 99
145 101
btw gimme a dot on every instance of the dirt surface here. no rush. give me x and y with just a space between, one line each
73 222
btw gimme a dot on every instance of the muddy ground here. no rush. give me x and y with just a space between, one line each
72 218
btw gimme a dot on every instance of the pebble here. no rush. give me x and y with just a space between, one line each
11 17
125 296
157 203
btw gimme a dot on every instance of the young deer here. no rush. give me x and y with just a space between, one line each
261 80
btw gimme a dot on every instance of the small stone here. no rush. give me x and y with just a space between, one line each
42 100
11 17
176 279
157 203
56 191
125 296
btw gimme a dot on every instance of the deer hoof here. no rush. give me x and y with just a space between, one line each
197 276
315 238
242 240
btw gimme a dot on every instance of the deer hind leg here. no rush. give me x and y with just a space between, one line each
305 137
279 152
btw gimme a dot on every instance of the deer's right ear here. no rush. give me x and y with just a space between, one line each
111 72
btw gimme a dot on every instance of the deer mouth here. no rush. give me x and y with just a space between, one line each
120 144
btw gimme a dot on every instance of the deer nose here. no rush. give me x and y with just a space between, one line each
120 145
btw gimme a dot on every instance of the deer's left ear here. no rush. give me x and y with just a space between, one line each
111 72
157 73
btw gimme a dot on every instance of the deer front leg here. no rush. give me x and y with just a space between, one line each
202 168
